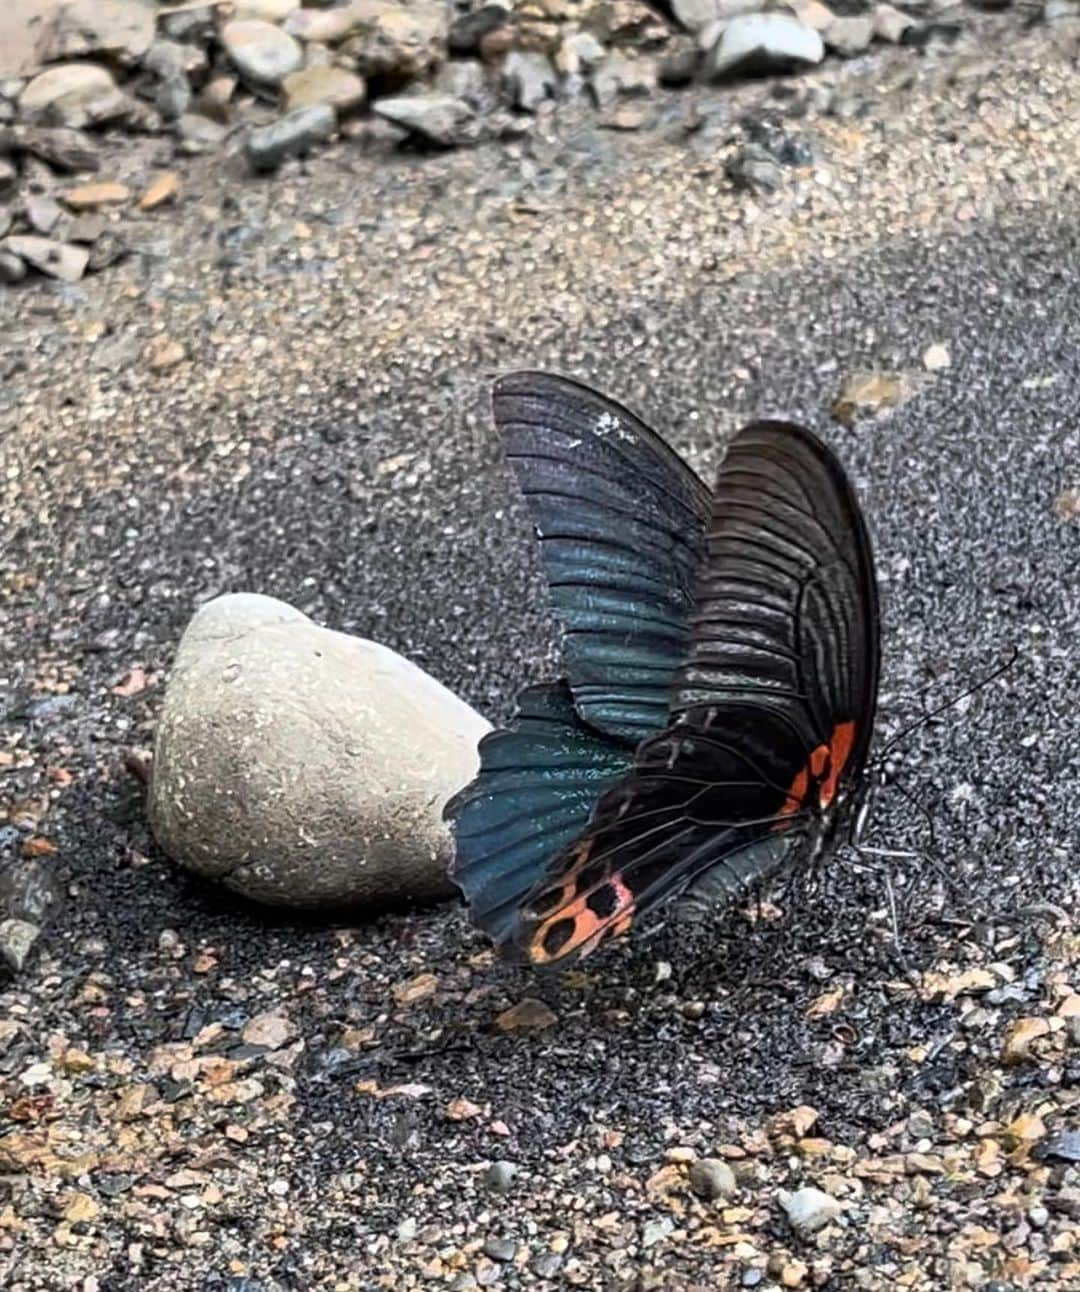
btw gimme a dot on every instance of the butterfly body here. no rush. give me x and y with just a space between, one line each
721 657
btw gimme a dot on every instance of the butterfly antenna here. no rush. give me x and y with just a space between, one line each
946 705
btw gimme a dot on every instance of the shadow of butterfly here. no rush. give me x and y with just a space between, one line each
720 657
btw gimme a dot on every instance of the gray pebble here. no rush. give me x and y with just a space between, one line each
292 136
500 1175
500 1249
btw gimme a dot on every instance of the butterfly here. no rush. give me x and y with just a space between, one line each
720 658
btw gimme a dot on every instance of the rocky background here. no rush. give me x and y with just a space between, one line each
102 100
280 386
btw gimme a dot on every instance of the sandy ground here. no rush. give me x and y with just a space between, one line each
324 439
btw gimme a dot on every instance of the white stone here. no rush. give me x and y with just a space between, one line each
304 767
57 259
809 1209
764 42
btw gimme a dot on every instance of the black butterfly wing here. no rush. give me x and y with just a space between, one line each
771 712
621 521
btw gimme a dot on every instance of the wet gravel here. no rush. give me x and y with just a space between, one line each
682 1039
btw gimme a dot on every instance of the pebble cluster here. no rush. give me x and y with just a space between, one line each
276 79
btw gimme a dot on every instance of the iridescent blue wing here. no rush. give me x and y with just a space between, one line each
537 784
621 521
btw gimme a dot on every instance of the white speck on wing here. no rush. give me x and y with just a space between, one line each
608 424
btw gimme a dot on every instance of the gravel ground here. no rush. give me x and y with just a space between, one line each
193 1095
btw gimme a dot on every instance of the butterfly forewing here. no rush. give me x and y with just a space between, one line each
621 522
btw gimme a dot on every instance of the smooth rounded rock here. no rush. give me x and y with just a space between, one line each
303 767
260 51
62 92
342 90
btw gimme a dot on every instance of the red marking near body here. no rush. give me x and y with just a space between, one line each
823 769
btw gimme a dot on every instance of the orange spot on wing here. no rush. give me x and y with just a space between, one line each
823 769
590 929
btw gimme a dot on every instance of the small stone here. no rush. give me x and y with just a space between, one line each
414 990
793 1274
529 79
90 196
936 358
620 75
13 270
17 937
265 10
292 136
1064 1146
437 118
764 42
268 1030
500 1249
655 1231
86 228
755 169
57 259
216 97
462 1110
890 23
342 90
679 64
271 773
500 1176
260 51
163 353
849 36
696 15
711 1177
198 133
809 1209
465 80
163 189
1025 1129
469 29
1019 1037
870 392
794 1123
80 1209
65 150
578 52
528 1015
396 43
64 96
119 30
173 97
42 213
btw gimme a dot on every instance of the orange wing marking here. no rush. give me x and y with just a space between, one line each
582 927
823 770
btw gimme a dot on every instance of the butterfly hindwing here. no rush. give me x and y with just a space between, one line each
771 710
537 784
621 522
